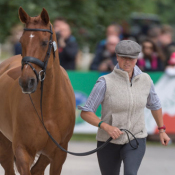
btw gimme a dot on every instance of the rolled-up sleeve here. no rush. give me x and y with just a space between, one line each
96 96
153 101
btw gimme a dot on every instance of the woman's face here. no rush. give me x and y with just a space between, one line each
147 48
127 64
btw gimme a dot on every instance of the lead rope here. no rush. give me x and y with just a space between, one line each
59 146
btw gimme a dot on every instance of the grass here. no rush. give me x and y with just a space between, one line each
84 137
92 138
4 56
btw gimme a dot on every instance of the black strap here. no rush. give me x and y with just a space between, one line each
48 54
39 30
36 61
137 143
34 70
59 146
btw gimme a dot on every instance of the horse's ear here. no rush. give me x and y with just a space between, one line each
23 16
44 16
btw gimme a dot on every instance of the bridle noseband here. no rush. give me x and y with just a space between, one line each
43 65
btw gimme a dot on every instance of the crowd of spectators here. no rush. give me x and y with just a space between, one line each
158 48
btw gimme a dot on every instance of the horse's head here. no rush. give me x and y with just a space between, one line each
37 46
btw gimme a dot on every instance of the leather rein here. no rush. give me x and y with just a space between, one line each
41 77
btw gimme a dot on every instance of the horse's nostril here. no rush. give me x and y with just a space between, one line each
31 83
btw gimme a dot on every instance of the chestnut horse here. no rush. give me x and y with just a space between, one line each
22 135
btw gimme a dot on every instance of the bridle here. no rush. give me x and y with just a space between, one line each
28 60
43 65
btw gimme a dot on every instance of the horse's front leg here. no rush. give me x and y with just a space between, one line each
58 160
24 159
40 165
6 155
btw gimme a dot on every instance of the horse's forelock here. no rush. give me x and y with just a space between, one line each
36 20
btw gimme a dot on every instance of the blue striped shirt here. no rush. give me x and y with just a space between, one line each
97 94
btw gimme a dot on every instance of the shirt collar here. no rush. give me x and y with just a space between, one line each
137 71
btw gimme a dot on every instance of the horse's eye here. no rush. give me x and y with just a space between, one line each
44 43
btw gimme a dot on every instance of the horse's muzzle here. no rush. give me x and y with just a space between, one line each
28 86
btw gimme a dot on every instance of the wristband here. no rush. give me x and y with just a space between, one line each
100 123
163 127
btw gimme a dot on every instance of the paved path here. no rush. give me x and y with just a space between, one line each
158 160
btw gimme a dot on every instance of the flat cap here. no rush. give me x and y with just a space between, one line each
128 48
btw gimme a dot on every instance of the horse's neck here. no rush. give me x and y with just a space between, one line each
53 77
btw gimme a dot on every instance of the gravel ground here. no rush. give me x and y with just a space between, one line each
158 160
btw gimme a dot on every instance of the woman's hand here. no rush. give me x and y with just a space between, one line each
164 138
114 132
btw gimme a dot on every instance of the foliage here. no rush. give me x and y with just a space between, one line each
88 18
166 10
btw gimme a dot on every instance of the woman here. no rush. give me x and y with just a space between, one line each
170 69
151 58
123 94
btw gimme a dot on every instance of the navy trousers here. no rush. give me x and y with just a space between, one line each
110 157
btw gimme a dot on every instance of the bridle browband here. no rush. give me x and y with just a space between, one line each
42 30
43 65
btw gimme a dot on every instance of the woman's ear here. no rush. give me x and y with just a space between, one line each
117 57
23 16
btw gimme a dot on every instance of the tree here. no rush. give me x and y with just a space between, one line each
88 18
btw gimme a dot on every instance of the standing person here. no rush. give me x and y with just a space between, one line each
166 41
154 34
105 59
113 29
151 58
123 94
67 44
